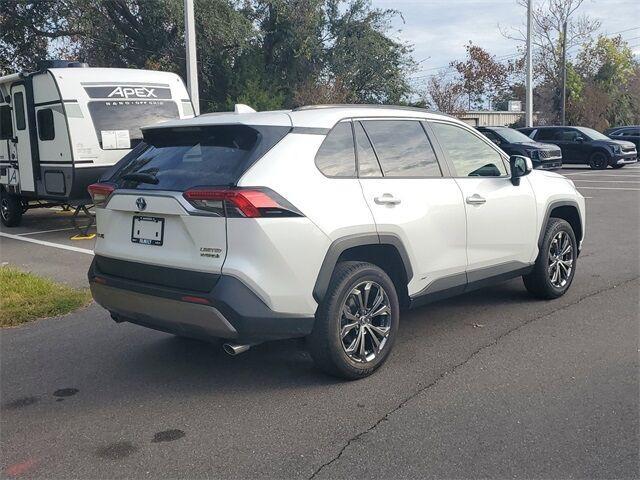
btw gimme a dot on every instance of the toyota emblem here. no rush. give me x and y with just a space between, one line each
141 204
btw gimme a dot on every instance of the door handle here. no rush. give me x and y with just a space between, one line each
476 199
387 199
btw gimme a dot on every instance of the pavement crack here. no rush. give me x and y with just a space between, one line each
455 367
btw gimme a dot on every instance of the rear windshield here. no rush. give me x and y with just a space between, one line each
186 157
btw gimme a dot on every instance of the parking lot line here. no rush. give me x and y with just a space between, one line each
607 181
47 231
609 188
86 251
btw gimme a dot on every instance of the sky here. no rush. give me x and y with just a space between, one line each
439 29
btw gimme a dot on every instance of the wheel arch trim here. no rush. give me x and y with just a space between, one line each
342 244
552 206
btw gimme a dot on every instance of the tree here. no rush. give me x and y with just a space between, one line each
549 20
601 91
483 77
268 53
444 94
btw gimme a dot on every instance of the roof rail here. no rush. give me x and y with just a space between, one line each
364 105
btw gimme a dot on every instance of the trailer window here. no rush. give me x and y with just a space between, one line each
6 129
130 115
18 104
46 129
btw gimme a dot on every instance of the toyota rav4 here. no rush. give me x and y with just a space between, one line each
322 222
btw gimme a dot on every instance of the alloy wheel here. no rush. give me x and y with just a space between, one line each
560 259
4 209
365 322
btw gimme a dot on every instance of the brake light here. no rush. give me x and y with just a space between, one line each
100 193
241 202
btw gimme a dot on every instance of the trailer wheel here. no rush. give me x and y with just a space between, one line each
10 209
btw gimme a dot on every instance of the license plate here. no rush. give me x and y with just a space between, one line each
147 230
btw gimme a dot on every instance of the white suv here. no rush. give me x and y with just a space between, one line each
322 222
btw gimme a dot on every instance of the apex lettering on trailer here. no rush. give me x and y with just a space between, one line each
131 92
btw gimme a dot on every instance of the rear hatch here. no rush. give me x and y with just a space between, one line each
165 204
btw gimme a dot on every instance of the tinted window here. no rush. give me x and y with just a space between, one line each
492 136
6 129
368 165
630 133
546 134
181 158
470 155
18 104
403 148
46 130
336 156
130 115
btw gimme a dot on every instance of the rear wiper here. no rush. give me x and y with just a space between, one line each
141 177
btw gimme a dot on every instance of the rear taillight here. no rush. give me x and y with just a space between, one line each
241 202
100 193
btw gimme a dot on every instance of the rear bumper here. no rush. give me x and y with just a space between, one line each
230 310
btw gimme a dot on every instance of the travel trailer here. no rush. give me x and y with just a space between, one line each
64 125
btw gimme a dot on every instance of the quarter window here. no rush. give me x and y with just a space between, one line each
470 155
368 165
336 156
46 129
403 149
18 104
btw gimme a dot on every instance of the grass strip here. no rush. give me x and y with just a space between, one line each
25 297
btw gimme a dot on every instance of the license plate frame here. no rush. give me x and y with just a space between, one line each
157 230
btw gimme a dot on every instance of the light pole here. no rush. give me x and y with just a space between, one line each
564 72
529 94
192 63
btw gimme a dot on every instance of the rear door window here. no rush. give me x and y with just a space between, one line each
186 157
336 156
402 147
547 134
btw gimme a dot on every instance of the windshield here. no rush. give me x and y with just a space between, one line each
513 136
127 115
186 157
592 134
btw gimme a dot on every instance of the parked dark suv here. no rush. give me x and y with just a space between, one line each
543 155
630 133
585 145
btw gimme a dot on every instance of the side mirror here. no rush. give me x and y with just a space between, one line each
520 166
580 139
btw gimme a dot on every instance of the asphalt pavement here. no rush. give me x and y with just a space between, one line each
492 384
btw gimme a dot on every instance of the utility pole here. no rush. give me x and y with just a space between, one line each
192 63
529 94
564 72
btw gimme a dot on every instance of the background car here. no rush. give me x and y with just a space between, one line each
585 145
630 133
544 155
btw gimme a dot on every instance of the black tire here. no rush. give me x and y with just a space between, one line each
540 282
325 343
10 209
616 166
598 161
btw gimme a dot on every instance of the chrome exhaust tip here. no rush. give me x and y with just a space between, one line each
234 349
